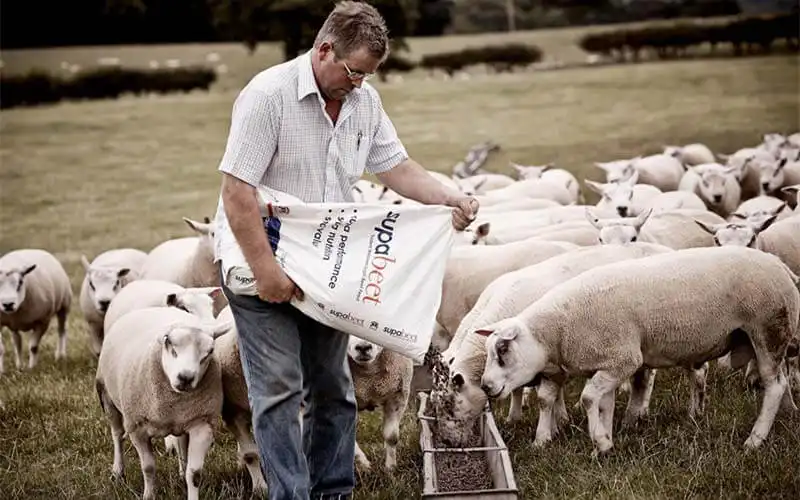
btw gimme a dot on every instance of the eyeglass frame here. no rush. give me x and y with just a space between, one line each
357 75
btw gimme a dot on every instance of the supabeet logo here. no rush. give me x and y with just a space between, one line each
381 257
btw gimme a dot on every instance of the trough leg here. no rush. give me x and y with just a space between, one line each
144 448
200 439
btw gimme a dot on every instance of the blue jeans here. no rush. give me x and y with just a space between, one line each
287 358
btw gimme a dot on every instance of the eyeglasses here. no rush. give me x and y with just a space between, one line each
357 75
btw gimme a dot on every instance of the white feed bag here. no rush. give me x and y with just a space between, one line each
373 271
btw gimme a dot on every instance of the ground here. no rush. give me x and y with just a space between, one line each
82 178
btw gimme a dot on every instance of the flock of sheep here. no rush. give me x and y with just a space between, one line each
540 288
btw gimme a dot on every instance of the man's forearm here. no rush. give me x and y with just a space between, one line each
244 217
411 180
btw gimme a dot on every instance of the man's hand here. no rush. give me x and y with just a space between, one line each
275 286
466 208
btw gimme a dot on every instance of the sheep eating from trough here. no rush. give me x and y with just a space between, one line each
682 308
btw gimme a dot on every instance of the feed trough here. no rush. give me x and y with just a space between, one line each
480 472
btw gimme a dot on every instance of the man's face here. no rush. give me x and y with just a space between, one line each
338 77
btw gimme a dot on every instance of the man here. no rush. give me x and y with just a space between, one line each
309 127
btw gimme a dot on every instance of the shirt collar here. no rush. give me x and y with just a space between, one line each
307 84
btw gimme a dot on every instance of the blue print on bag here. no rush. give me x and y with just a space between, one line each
273 227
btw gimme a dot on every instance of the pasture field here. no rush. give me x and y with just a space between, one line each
82 178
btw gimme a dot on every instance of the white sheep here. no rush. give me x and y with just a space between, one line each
236 412
532 188
548 172
625 196
471 268
760 208
104 277
578 232
34 287
157 376
189 261
483 183
793 190
519 204
590 325
776 174
690 154
506 296
659 170
716 185
744 170
381 378
144 293
676 229
675 200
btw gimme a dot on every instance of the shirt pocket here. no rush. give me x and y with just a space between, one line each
354 149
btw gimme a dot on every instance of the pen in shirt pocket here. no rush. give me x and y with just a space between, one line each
358 141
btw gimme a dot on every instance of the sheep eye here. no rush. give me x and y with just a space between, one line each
91 285
634 238
174 352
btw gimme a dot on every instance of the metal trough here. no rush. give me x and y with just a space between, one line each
504 487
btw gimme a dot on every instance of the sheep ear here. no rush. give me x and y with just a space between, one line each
722 156
764 225
594 186
27 270
211 291
782 163
705 227
634 178
738 216
457 381
547 167
85 263
601 165
203 228
165 341
642 218
779 209
220 328
593 219
790 189
172 300
123 272
485 332
483 230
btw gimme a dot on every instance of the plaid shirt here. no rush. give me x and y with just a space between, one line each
281 137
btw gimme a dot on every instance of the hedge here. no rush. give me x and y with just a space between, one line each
38 87
755 32
499 57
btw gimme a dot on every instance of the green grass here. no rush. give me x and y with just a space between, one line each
83 178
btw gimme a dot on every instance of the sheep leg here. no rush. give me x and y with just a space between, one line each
96 338
61 321
117 435
33 344
547 393
641 388
526 397
2 353
392 413
200 439
181 444
775 384
591 396
751 375
144 448
361 458
562 416
697 403
16 339
247 450
515 409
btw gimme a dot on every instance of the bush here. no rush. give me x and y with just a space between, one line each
397 64
499 57
750 32
38 87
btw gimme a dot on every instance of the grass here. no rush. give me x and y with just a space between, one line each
83 178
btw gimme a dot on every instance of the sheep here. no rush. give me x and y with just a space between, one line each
483 183
776 174
236 412
715 185
105 276
760 208
532 188
744 171
471 268
381 378
626 196
34 287
676 229
519 204
156 376
673 200
447 181
781 239
796 191
506 296
144 293
590 326
661 171
690 154
578 232
189 261
548 172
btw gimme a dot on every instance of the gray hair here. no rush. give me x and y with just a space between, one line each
352 25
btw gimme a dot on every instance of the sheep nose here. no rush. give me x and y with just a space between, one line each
623 211
717 198
765 186
104 305
363 348
184 380
8 306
